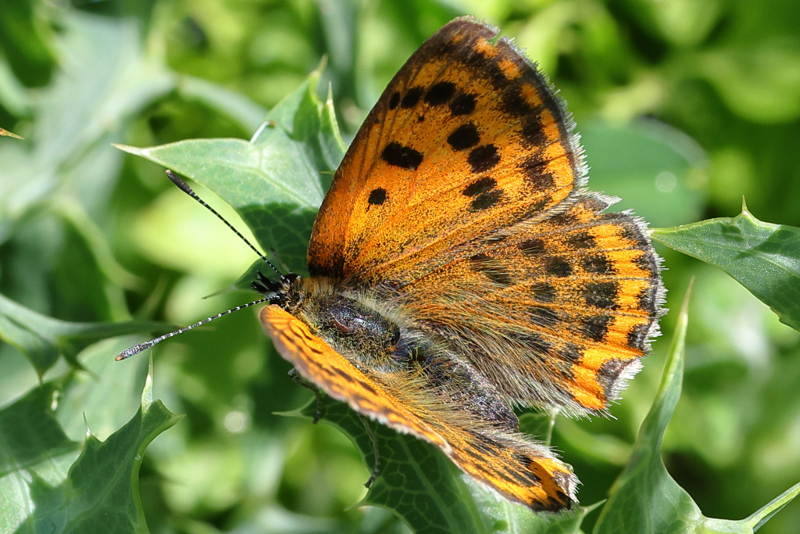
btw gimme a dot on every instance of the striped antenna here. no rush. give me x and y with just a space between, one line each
136 349
183 186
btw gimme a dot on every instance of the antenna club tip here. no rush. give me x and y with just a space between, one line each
131 351
177 180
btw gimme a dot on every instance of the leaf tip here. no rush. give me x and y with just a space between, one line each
6 133
147 390
320 68
136 151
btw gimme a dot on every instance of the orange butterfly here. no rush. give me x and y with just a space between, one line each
459 269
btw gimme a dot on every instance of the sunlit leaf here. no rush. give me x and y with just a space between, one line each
29 432
763 257
654 177
645 499
275 181
100 494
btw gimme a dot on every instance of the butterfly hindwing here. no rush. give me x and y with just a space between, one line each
466 137
516 468
553 313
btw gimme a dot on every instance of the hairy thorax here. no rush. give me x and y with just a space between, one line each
372 332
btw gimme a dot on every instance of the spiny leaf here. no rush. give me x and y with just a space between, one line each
43 486
275 181
763 257
100 494
645 499
30 433
420 484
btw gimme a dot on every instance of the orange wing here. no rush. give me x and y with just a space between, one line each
460 196
555 312
519 470
466 138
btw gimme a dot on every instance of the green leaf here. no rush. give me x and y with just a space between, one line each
420 484
656 175
43 487
763 257
645 499
101 492
42 339
30 433
276 181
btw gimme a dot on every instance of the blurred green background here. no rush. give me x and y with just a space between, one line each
685 108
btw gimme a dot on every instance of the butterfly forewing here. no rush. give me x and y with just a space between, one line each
467 137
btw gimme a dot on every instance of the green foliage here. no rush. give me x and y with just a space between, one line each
276 181
645 498
42 339
763 257
90 238
421 485
100 491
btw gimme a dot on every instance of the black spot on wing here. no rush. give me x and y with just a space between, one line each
543 316
597 264
463 137
571 353
646 262
411 97
377 196
486 200
483 158
543 292
394 100
513 102
535 172
463 104
479 186
596 327
601 294
637 337
557 266
581 240
491 268
533 133
532 247
563 219
439 93
401 156
647 299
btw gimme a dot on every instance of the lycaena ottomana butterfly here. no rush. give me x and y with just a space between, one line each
458 269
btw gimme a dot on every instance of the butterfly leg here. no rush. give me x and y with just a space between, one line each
319 411
376 459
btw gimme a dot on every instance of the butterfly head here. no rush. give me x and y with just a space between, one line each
283 291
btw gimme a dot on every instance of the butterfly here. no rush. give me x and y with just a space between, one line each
459 269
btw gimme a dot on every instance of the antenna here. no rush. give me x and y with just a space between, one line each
136 349
183 186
